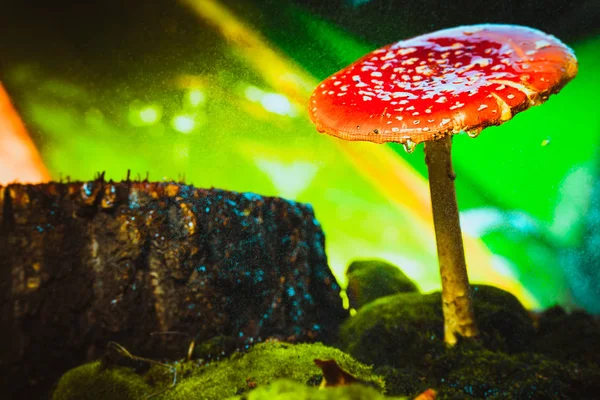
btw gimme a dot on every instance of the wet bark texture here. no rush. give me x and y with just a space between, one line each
82 264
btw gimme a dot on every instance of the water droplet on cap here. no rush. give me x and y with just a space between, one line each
409 146
474 133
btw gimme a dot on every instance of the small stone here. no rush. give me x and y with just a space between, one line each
369 280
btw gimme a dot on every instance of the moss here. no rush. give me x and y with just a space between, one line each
504 323
568 336
95 381
408 380
484 374
369 280
495 375
406 328
289 390
261 365
395 330
469 371
402 335
212 348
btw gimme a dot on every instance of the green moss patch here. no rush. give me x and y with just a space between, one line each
402 335
289 390
369 280
263 364
469 371
404 328
95 381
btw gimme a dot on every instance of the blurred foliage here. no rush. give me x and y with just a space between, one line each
155 87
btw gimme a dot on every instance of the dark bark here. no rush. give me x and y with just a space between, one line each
82 264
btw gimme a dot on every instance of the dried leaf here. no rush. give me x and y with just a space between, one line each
333 374
429 394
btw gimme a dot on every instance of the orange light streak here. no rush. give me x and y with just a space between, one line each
19 158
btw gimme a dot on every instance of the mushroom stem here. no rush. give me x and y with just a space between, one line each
459 319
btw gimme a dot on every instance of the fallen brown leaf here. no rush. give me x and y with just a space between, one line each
333 374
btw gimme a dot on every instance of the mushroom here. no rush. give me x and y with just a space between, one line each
426 89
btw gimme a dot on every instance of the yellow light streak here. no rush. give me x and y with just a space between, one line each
386 171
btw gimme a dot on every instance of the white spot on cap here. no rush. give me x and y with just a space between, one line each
404 95
376 74
482 107
442 99
388 56
540 44
424 69
408 50
445 121
483 62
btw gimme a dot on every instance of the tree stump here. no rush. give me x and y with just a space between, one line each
82 264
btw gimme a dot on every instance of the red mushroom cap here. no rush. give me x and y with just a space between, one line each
442 83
